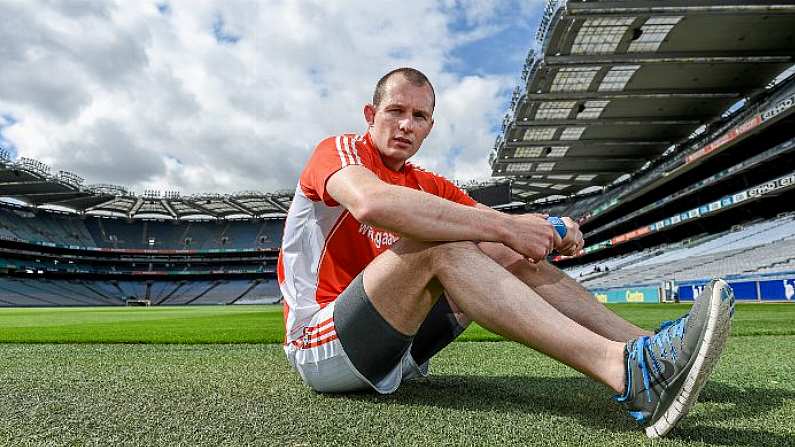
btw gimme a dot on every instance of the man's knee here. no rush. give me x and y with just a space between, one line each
501 254
443 252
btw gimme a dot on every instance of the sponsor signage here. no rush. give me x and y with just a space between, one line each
780 183
778 289
725 139
618 239
642 231
603 208
782 289
628 295
740 196
779 108
773 185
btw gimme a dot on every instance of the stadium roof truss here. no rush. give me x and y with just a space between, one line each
32 182
618 82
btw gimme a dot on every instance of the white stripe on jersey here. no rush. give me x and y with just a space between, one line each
308 226
343 158
352 145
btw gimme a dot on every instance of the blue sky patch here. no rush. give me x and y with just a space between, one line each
7 121
223 36
502 53
163 8
502 48
497 43
452 156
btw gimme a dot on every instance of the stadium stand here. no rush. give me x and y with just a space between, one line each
29 224
37 292
665 131
51 258
763 247
672 149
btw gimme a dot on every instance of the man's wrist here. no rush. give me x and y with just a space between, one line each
503 227
559 225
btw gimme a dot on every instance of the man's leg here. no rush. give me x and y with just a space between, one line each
403 283
441 327
565 294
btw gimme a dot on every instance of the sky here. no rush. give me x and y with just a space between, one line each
211 96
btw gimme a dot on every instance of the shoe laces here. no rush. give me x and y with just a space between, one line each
663 340
667 323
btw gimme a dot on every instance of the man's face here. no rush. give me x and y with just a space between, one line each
399 125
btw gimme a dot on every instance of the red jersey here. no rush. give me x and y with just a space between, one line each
324 247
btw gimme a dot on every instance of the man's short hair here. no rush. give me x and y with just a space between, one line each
414 76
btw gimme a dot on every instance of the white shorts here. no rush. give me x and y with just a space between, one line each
348 346
326 368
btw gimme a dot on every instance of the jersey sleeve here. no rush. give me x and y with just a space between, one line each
329 156
447 190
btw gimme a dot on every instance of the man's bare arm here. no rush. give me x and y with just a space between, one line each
422 216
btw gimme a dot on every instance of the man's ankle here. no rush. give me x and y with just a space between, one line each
618 367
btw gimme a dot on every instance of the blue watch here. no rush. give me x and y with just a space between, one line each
560 227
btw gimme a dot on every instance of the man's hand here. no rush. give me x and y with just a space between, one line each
531 236
573 242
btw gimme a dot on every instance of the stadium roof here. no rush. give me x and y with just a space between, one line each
32 182
619 82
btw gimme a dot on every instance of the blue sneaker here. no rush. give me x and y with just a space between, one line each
665 323
665 372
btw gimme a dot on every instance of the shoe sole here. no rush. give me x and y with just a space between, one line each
715 336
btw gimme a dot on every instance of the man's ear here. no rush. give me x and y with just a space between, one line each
369 114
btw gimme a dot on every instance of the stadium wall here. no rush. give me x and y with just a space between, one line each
778 287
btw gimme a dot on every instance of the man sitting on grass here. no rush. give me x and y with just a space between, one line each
383 264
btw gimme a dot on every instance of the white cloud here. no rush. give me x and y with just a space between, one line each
120 93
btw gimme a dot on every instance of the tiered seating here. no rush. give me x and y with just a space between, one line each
45 292
265 292
188 292
161 289
28 224
83 289
587 270
92 231
224 292
135 289
41 292
764 247
202 235
163 235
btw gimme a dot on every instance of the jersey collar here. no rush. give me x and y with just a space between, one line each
368 141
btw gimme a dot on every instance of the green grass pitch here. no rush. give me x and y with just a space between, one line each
218 376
